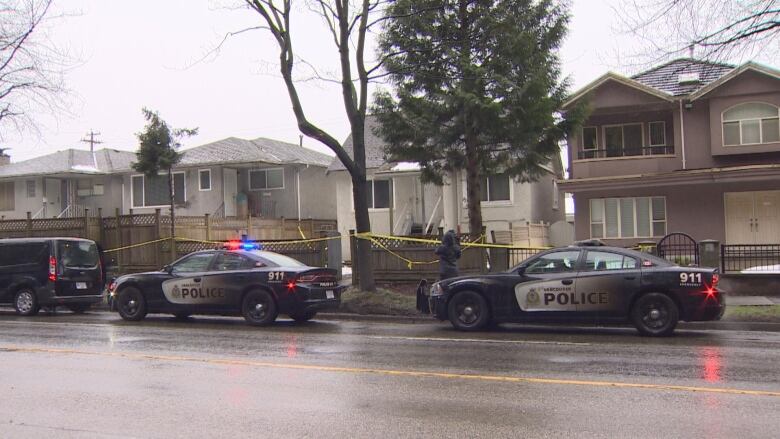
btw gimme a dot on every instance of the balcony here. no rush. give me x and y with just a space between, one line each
589 154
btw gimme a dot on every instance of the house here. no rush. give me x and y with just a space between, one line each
401 204
228 178
688 146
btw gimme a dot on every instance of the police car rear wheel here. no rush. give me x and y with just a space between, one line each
259 308
302 317
655 314
131 304
25 302
468 311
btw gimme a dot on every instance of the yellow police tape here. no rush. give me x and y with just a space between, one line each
372 237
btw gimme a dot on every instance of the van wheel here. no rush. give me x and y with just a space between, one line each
655 314
301 317
131 304
259 308
25 302
468 311
78 308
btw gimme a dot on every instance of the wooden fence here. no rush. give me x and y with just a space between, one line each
120 231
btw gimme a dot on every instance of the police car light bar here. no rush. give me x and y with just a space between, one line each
242 245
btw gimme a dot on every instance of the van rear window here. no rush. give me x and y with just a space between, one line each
77 254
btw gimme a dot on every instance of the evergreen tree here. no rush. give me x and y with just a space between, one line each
158 151
476 87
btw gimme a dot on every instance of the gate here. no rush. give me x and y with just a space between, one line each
679 248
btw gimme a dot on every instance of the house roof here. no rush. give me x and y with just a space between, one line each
749 66
235 150
666 76
375 155
72 161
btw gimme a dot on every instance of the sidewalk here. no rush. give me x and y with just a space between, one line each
752 300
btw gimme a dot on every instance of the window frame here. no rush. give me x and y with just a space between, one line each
486 182
211 254
391 188
265 170
12 192
595 147
143 190
724 121
623 138
651 220
200 186
650 133
584 267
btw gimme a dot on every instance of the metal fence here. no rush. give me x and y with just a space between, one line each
679 248
754 257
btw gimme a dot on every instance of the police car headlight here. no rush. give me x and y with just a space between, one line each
437 290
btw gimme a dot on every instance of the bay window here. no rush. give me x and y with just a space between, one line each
629 217
751 123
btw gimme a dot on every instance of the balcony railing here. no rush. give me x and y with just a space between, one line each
625 152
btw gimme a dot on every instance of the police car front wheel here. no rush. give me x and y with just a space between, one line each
259 308
655 314
131 304
468 311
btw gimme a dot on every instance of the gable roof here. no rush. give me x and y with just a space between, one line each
749 66
72 161
235 150
375 154
615 77
665 77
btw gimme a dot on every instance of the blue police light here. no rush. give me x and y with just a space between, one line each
243 245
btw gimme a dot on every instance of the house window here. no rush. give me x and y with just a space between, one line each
590 138
623 140
379 194
7 201
657 133
271 178
204 179
632 217
750 124
495 188
556 195
153 192
30 188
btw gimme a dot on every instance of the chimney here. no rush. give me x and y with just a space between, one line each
5 159
300 140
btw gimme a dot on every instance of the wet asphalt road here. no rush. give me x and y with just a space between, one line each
96 376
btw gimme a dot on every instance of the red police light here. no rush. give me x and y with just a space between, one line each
233 245
290 286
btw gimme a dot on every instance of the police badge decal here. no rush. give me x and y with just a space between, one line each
532 298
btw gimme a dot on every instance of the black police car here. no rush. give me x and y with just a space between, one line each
256 284
583 283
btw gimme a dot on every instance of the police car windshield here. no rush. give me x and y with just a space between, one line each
277 259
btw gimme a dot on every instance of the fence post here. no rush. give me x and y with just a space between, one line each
249 225
353 257
208 227
158 245
86 223
29 224
709 253
101 230
499 259
334 251
119 241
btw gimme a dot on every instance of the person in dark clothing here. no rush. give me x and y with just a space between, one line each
449 253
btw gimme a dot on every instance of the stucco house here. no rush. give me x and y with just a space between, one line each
688 146
400 203
227 178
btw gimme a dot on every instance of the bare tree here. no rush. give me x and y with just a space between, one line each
348 23
31 66
707 29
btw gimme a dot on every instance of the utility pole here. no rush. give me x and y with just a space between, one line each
92 142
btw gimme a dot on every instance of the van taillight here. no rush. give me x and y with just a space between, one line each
52 269
715 279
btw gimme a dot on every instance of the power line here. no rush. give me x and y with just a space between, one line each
92 142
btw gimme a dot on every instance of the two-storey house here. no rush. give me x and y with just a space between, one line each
688 146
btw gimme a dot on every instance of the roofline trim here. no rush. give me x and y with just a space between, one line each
750 65
620 79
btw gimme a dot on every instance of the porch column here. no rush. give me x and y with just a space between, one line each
450 202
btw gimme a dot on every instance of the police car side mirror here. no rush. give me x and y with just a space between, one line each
167 269
520 270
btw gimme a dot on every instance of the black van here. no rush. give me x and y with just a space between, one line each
36 272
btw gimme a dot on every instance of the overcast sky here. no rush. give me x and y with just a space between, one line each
148 53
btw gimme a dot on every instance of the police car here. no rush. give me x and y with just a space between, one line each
583 283
238 280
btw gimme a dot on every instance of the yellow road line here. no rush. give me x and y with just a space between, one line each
392 372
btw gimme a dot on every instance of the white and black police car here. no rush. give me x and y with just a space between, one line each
584 283
240 279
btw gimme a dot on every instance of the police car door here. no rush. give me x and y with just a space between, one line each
231 275
188 285
548 282
606 282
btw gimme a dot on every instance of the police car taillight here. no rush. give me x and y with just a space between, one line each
52 269
316 277
715 279
112 286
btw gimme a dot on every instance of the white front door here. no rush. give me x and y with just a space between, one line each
52 193
230 190
752 217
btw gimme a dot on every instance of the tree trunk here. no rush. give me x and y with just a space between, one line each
173 214
362 225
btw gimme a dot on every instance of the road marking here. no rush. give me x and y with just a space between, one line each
478 340
391 372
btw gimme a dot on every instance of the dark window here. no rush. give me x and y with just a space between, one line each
154 191
18 254
600 261
657 133
232 261
379 194
77 254
495 188
266 179
7 201
193 263
205 179
589 138
555 262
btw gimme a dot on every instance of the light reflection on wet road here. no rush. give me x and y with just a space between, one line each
97 376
